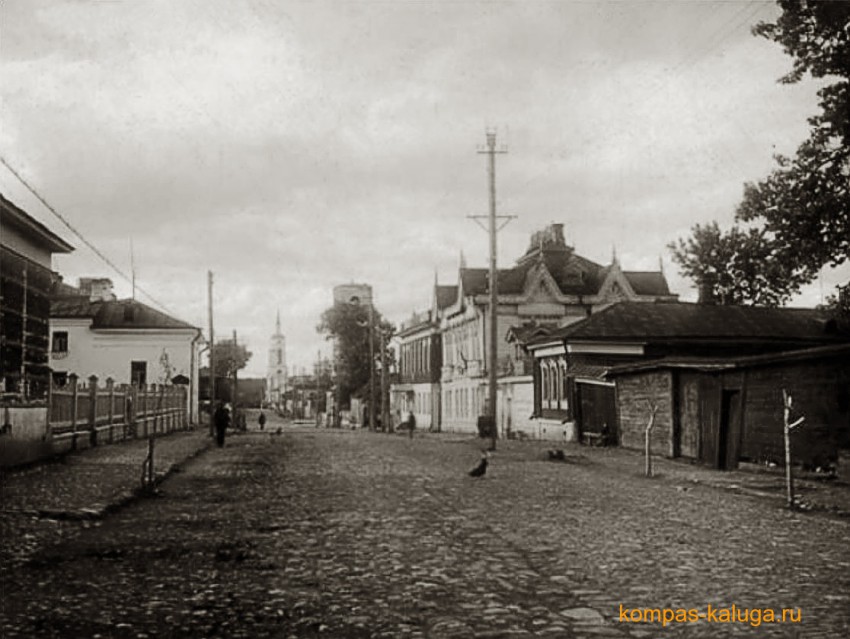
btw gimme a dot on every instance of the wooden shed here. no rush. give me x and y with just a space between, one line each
724 410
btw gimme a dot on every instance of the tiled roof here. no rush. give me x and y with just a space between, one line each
446 296
678 320
648 282
114 313
725 363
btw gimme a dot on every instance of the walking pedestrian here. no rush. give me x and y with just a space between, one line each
262 420
222 422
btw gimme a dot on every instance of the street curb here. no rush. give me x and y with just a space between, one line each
122 499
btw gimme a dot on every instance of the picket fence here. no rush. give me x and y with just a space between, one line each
113 412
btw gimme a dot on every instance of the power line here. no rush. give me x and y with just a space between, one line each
84 240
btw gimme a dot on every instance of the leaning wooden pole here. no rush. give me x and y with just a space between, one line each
787 428
648 436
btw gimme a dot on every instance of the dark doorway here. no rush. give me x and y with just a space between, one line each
597 414
729 434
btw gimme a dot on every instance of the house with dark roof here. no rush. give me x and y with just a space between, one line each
580 357
93 333
727 409
26 276
550 285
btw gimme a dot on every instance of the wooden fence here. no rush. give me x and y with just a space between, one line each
109 413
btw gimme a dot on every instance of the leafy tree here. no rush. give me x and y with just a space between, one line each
230 357
798 217
349 325
736 267
804 204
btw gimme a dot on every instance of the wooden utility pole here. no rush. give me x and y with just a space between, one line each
788 427
385 408
24 391
371 364
212 350
492 229
234 382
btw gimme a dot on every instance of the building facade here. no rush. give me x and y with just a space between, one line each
549 286
26 277
92 333
417 390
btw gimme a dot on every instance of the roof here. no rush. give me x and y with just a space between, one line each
530 330
446 296
645 321
25 223
713 364
574 275
114 313
648 282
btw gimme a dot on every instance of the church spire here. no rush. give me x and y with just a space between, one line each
277 323
462 259
614 259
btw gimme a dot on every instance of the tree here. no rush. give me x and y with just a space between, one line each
348 324
804 204
736 267
797 218
230 357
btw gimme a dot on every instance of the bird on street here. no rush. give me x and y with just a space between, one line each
481 468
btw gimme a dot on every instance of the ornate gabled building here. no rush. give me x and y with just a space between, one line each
550 285
276 372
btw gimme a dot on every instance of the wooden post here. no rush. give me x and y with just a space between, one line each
93 410
788 426
48 428
110 387
653 410
73 381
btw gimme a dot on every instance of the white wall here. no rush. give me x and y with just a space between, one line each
108 353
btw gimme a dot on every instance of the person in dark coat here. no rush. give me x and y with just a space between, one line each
221 418
262 420
411 423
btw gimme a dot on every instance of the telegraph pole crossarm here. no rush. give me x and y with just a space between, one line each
491 151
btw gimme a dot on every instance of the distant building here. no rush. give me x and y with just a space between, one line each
417 390
93 333
26 277
276 375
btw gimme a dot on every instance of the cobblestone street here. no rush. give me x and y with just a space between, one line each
353 534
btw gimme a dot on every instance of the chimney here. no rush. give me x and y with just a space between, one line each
97 289
706 294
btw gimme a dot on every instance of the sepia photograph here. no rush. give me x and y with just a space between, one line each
424 319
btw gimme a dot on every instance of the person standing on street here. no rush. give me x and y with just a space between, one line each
262 420
221 418
411 423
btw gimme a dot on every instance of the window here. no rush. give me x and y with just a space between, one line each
138 373
60 342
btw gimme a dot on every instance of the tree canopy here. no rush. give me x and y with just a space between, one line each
230 357
797 219
348 324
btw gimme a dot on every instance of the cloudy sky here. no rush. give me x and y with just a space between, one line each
290 146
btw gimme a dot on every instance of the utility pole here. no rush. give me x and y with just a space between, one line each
234 382
491 152
385 408
371 366
212 350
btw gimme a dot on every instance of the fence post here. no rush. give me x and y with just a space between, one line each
93 410
73 381
166 426
132 400
110 387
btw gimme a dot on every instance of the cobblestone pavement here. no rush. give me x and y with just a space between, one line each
48 502
320 533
